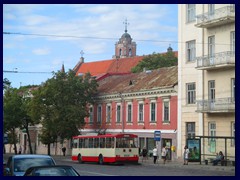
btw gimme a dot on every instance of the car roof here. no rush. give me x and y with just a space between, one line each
67 166
31 156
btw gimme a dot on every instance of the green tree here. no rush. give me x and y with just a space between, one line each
61 105
155 61
13 114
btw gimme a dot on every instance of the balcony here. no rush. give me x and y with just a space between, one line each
220 60
220 16
221 105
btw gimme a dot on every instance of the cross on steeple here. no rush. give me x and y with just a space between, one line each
81 53
126 24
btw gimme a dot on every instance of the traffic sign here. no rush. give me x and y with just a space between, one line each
157 135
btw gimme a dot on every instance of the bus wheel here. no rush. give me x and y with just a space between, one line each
80 158
100 159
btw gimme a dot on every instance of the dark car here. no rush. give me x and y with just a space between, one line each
58 170
18 164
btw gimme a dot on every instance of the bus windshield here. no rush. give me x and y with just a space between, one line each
124 142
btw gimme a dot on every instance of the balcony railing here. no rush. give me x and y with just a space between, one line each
218 17
217 61
217 106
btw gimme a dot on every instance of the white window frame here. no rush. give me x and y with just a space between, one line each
211 90
191 50
211 10
212 131
91 114
99 114
232 39
190 13
155 111
166 102
191 93
233 89
108 113
233 133
118 113
140 103
131 113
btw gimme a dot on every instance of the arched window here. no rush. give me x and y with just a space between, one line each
120 52
130 52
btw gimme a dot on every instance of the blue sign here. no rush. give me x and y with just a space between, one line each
157 135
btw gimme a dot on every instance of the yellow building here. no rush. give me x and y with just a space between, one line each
206 75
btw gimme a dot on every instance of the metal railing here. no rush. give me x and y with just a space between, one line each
222 58
218 14
218 105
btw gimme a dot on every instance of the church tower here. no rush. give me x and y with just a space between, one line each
125 47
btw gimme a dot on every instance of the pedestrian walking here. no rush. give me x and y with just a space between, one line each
144 154
64 150
164 154
155 155
186 155
20 149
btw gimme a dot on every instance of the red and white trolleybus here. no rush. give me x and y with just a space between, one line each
108 148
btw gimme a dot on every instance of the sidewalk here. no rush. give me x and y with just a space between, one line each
191 165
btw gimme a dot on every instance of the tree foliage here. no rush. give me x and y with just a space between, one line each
155 61
60 105
13 113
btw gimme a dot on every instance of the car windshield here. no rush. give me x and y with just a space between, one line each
22 164
54 171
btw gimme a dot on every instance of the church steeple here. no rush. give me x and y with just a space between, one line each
126 24
125 47
63 69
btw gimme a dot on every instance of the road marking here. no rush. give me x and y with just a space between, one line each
96 173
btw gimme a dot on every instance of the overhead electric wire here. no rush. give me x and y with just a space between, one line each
25 72
89 37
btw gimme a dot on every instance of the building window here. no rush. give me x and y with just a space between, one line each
233 133
153 112
190 129
140 112
233 89
166 111
191 13
118 113
191 50
211 131
211 90
120 52
191 93
108 113
232 34
211 49
90 114
130 52
99 114
129 113
211 9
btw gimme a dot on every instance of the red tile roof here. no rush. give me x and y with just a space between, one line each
102 68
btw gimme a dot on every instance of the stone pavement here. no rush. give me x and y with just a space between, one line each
191 165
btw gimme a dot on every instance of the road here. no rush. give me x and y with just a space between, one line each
145 169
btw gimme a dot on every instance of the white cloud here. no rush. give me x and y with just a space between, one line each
43 51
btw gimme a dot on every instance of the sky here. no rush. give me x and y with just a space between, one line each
39 38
